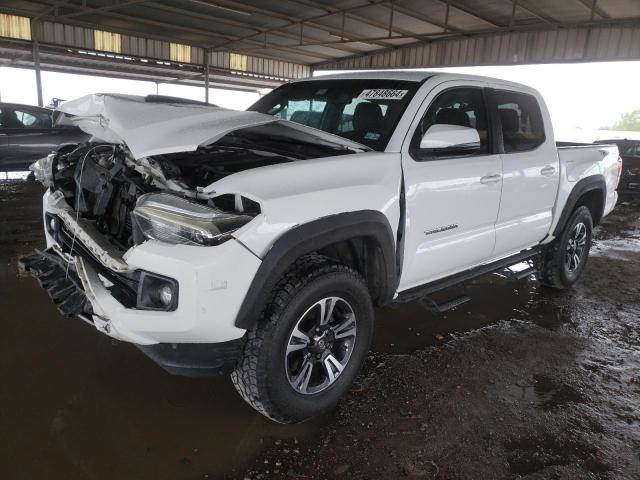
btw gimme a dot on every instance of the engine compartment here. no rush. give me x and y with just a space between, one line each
102 182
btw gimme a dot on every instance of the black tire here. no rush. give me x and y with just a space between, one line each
553 269
261 376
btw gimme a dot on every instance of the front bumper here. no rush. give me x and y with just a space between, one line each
65 287
195 359
213 282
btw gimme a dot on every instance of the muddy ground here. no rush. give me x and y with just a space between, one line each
522 382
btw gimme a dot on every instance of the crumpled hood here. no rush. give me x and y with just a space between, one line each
152 128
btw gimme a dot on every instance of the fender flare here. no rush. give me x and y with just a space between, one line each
594 182
310 237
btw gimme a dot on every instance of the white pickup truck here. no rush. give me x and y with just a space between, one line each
257 243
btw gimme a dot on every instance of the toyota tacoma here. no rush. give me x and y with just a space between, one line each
257 243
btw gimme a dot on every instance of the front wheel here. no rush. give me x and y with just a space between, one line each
562 262
307 348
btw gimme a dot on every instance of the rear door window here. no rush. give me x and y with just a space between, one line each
24 119
521 121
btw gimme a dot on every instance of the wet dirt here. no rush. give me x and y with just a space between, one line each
521 382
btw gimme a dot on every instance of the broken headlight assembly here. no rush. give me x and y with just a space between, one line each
43 170
172 219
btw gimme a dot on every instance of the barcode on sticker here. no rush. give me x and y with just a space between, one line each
383 94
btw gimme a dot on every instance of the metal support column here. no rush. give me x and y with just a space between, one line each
36 62
206 75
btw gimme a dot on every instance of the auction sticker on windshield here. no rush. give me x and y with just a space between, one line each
383 94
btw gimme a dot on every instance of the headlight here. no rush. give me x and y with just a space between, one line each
172 219
43 170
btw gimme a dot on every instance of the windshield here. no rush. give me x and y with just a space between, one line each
365 111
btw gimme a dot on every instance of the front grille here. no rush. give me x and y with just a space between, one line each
125 285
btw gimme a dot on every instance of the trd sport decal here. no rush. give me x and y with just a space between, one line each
441 229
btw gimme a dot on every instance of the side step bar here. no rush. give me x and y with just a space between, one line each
422 292
522 274
430 304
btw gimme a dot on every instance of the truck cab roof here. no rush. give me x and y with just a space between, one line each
413 76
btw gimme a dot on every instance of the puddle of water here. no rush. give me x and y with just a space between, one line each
90 405
493 299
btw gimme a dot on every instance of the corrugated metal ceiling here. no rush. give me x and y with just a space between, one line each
284 38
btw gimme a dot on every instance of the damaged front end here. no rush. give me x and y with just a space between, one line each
101 203
139 242
127 202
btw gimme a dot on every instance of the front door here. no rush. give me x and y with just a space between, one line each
452 198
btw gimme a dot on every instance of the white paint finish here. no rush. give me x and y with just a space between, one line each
441 193
461 191
149 128
448 136
529 187
295 193
577 163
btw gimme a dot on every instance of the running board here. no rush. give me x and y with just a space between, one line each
422 291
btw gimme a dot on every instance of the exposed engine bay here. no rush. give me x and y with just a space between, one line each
103 183
155 180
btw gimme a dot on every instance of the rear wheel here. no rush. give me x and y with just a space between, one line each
562 261
309 345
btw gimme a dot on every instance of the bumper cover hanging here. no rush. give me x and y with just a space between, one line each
61 282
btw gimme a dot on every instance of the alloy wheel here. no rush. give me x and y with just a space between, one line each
320 345
576 247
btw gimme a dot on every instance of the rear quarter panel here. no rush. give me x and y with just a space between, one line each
583 161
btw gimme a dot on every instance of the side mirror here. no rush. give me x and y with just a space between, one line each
442 139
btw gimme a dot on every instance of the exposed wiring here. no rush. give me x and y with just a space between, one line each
79 192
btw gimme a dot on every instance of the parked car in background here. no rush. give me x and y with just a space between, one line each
630 154
28 133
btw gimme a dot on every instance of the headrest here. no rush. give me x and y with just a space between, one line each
311 119
367 117
452 116
510 120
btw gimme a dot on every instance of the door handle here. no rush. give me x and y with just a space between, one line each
491 178
548 170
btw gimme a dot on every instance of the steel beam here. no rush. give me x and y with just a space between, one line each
206 76
93 10
292 20
204 33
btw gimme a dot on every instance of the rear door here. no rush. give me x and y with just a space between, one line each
452 200
530 169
